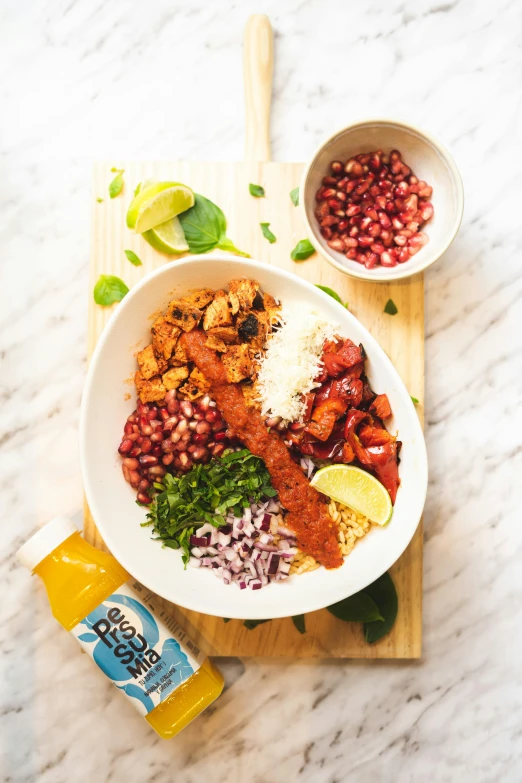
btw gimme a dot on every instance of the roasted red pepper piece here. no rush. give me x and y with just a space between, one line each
332 364
324 417
374 436
353 418
348 389
309 400
348 452
387 471
381 406
350 354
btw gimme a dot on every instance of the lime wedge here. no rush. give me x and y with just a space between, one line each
157 203
167 237
357 489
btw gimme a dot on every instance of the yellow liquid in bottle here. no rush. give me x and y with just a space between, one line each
78 578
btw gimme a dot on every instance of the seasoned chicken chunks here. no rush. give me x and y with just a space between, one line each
164 336
172 378
218 312
147 362
149 391
242 294
237 363
184 315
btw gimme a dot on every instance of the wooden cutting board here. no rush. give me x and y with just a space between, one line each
401 336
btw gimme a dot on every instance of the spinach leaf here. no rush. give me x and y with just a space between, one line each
205 226
116 185
251 624
358 608
383 592
390 307
299 622
133 258
109 289
267 233
303 250
256 190
294 195
414 400
333 294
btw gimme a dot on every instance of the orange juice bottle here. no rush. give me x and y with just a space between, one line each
135 643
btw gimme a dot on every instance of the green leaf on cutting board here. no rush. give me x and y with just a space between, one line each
133 258
358 608
294 195
116 185
299 622
256 190
414 400
109 289
384 594
333 294
390 307
251 624
267 233
205 226
303 250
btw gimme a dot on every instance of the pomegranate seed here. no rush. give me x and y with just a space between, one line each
171 422
328 193
329 220
350 242
414 249
334 204
147 460
192 424
426 210
390 207
372 259
204 403
351 254
387 259
156 470
128 428
336 244
412 226
326 233
202 426
402 190
343 226
329 181
168 459
168 446
377 247
364 240
125 472
424 190
134 478
336 166
364 223
418 240
353 231
374 230
201 439
361 188
396 168
186 437
386 238
199 453
146 445
406 233
182 426
183 458
156 451
144 499
152 414
218 449
396 223
144 485
125 446
353 209
404 255
164 413
400 240
186 408
135 452
340 196
212 416
322 210
319 194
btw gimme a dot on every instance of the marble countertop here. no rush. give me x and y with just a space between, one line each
81 81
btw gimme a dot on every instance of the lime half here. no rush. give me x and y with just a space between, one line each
156 203
167 238
357 489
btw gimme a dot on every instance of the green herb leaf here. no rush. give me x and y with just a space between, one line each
333 294
116 185
226 619
303 250
109 289
204 226
251 624
384 594
267 233
390 307
117 171
256 190
99 200
299 622
137 189
207 493
133 258
294 195
358 608
414 400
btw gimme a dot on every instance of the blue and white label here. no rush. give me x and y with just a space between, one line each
138 646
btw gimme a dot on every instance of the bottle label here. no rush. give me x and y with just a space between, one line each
138 646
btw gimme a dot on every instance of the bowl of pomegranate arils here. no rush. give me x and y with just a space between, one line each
248 450
382 200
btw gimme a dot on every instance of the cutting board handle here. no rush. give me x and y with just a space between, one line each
258 64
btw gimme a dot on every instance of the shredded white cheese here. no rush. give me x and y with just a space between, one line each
292 361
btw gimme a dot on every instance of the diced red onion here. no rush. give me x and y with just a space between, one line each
199 540
194 562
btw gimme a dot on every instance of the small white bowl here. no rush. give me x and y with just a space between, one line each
429 161
109 397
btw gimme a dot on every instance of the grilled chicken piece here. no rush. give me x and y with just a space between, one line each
164 336
173 377
218 312
184 315
200 298
242 294
237 363
149 390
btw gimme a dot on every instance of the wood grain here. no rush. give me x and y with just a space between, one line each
401 336
258 65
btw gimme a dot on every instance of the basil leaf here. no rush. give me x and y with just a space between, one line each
251 624
303 250
99 200
133 258
390 307
204 226
414 400
333 294
226 619
116 185
256 190
267 233
358 608
384 594
299 622
109 289
294 195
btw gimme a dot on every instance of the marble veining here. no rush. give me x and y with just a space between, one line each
80 81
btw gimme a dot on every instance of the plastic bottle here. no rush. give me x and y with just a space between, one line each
137 645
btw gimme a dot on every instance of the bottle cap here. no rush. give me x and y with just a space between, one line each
45 541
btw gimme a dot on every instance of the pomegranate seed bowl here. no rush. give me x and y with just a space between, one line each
382 200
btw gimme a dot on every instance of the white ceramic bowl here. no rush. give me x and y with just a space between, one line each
111 500
428 159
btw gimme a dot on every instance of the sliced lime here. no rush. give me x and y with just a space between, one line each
167 238
157 203
357 489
